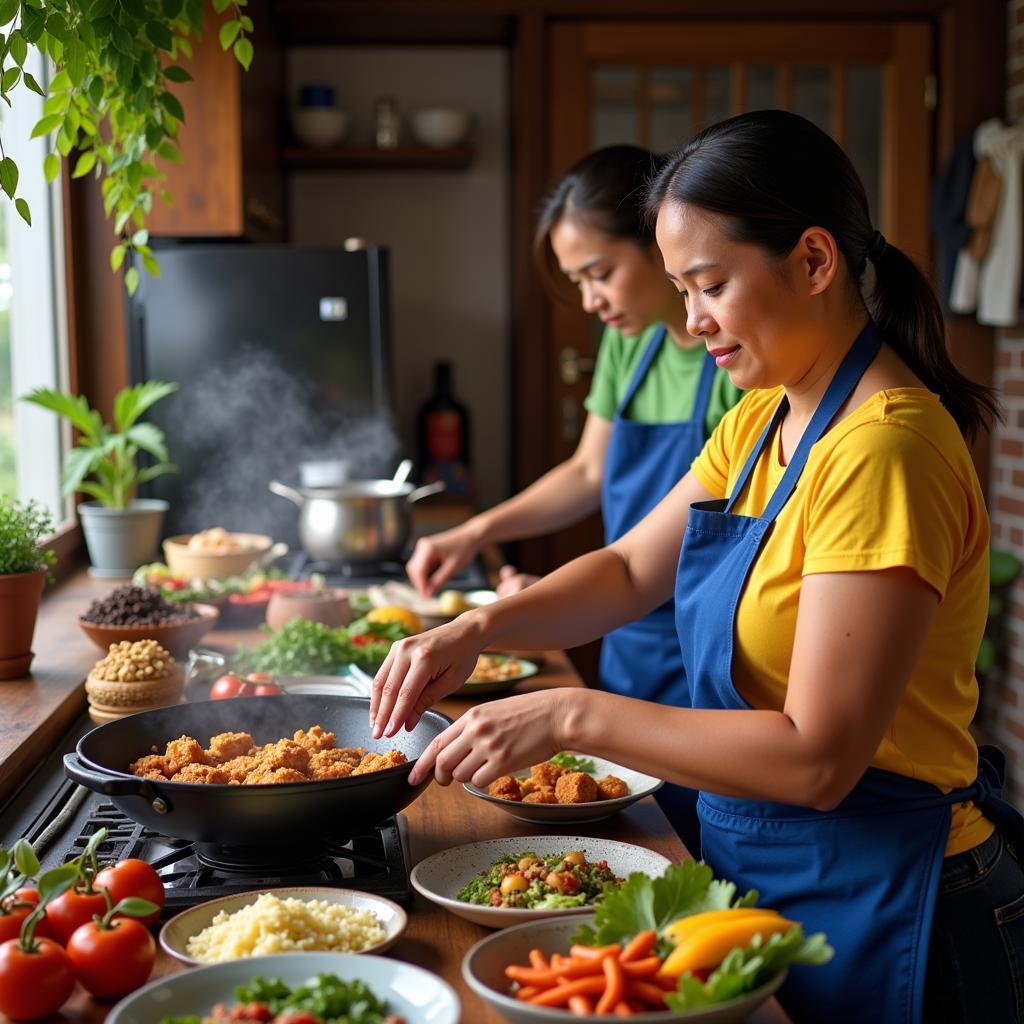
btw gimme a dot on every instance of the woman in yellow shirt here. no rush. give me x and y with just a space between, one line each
831 593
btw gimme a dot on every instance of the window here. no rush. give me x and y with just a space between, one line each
33 321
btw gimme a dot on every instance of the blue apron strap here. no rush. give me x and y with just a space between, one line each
862 353
653 346
703 400
755 454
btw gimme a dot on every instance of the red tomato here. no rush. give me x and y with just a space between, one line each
133 877
72 909
230 686
11 916
114 961
361 639
260 677
34 985
256 597
267 691
297 1017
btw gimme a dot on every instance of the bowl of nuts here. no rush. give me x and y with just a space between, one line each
142 613
134 676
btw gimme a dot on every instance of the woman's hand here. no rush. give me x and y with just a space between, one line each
497 738
437 558
511 581
420 670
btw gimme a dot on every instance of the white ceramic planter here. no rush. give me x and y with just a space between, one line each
119 540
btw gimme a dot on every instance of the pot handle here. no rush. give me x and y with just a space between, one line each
111 785
284 491
426 491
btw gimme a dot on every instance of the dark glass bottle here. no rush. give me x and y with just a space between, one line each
444 434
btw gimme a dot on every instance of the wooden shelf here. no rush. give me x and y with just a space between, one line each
346 158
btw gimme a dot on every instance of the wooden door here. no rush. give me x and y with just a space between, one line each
655 84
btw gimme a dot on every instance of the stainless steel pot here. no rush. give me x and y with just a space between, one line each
361 521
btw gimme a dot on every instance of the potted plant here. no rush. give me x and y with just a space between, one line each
121 531
23 567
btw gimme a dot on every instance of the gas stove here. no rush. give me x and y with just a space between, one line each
358 577
58 817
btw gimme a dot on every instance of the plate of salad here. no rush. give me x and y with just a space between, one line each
357 989
501 882
682 947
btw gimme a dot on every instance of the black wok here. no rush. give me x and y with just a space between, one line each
251 815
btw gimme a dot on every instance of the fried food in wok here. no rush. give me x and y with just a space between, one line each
233 758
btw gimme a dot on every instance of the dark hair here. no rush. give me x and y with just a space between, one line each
771 175
607 190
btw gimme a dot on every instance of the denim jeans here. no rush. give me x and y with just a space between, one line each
976 957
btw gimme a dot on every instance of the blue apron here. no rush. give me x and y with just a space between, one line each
866 873
643 463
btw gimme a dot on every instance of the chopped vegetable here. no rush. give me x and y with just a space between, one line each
572 763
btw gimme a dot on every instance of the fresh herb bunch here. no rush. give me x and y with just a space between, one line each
302 648
109 456
23 525
571 763
327 996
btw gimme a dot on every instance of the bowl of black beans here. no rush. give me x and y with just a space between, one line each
142 613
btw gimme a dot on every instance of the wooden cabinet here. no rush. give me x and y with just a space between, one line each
230 181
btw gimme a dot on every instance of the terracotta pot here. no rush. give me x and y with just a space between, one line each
330 607
19 603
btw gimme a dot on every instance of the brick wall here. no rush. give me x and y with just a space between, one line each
1001 716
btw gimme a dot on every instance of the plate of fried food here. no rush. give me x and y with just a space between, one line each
569 787
495 673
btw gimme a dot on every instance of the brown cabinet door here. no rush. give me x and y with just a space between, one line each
655 84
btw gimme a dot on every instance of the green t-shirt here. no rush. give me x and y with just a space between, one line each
667 393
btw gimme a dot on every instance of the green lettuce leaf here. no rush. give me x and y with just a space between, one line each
643 903
743 970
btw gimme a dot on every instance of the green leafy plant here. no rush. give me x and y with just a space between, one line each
105 462
111 99
1004 568
23 528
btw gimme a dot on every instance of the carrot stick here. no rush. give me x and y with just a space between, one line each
594 952
581 1006
615 985
538 960
561 994
645 992
527 992
623 1010
645 968
639 946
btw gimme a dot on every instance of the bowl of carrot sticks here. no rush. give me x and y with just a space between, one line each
533 974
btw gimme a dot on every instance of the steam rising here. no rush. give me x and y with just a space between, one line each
247 422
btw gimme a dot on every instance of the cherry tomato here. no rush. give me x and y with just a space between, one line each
267 691
253 598
72 909
15 910
133 877
361 639
230 686
34 985
113 961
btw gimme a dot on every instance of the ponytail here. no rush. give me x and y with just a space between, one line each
771 175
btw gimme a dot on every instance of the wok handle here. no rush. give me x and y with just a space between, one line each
284 491
426 491
110 785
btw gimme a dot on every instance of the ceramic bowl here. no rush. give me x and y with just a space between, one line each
640 785
440 877
411 992
176 637
109 699
439 127
213 565
175 933
484 687
484 965
319 126
329 606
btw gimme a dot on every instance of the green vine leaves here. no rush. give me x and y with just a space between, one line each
111 102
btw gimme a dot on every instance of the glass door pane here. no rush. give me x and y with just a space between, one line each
762 87
670 92
812 95
614 114
864 129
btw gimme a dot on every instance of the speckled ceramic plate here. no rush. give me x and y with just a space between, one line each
640 785
175 933
411 992
441 876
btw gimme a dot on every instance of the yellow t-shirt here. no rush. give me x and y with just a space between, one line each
890 485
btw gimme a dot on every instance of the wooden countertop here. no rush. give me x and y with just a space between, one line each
39 708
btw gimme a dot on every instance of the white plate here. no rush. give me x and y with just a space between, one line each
404 595
411 992
640 785
475 688
175 933
483 969
441 876
348 685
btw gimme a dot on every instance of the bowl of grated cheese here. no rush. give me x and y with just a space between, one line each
293 919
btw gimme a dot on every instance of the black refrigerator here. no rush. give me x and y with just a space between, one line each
282 355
